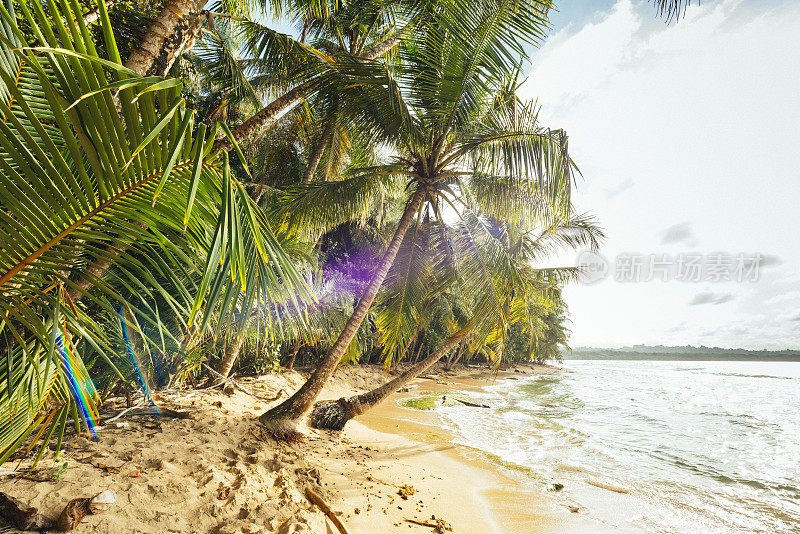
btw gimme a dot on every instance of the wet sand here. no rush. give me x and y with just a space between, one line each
476 492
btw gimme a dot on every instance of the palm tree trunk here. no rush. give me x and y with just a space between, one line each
94 14
267 114
381 48
295 350
281 421
419 349
453 358
174 29
231 353
333 415
319 150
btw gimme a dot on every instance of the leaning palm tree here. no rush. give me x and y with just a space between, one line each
349 36
490 266
364 30
445 111
101 165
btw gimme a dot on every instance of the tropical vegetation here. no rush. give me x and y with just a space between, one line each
186 192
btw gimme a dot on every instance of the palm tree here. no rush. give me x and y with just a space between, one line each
356 31
277 61
364 30
491 264
444 113
349 37
555 334
80 159
178 24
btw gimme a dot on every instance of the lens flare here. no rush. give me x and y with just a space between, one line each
80 385
135 361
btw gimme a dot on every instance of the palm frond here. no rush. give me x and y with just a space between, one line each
317 207
407 286
671 9
124 174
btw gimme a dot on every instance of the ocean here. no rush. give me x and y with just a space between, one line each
700 446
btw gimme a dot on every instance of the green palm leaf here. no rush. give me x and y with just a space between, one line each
88 178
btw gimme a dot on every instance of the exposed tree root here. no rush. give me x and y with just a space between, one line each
283 430
331 415
276 397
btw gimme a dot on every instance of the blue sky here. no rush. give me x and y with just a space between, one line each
577 13
685 134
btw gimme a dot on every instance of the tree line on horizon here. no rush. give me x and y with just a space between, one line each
677 353
184 195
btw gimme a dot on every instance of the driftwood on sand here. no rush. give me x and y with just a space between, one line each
140 411
228 381
162 412
438 525
22 516
609 487
473 404
325 509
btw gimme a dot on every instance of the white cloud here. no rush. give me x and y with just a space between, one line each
709 297
701 118
678 233
790 297
619 189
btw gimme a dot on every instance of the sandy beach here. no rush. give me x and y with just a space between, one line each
463 486
215 472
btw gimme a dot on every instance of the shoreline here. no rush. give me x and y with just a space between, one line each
215 473
502 502
478 495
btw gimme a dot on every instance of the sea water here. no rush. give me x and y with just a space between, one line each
700 446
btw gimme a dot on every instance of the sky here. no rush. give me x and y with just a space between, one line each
686 135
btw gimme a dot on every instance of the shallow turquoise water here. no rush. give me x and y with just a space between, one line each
702 446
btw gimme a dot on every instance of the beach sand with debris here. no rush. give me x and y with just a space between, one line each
205 466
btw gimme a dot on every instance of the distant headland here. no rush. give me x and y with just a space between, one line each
686 353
